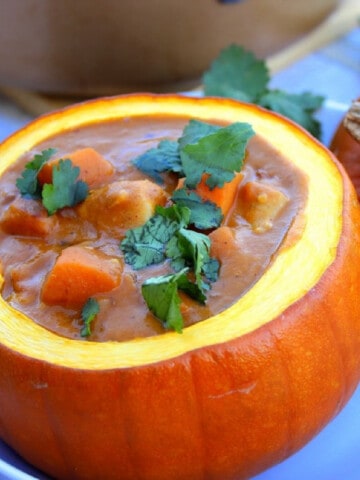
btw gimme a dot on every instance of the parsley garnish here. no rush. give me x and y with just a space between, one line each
65 190
88 314
28 183
237 73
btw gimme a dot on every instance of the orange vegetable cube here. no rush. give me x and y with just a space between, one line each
224 197
27 217
260 204
80 272
127 203
95 170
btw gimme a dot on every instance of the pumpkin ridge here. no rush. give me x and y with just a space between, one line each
289 396
200 418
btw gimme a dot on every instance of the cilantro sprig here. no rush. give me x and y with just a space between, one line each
203 151
165 236
202 147
64 191
88 314
219 155
204 215
164 158
146 245
161 295
28 183
239 74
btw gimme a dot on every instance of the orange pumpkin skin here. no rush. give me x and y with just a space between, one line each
224 411
347 150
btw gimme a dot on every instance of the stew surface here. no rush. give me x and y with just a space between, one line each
269 199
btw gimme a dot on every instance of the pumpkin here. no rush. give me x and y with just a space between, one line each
347 149
233 394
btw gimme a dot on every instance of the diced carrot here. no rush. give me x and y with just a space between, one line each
260 204
80 272
27 217
95 170
224 197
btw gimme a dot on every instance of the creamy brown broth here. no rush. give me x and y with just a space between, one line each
244 252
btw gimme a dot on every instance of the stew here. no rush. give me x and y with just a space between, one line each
41 253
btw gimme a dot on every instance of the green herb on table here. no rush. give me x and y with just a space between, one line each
88 314
237 73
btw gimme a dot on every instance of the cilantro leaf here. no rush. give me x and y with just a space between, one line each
162 298
236 73
65 190
145 245
88 313
203 214
194 131
28 183
194 248
211 268
164 158
161 295
178 213
298 107
191 289
219 154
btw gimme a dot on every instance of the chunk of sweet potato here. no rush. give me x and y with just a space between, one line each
224 197
260 204
95 170
79 273
222 242
27 217
123 204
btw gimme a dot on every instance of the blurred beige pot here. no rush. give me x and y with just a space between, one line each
92 47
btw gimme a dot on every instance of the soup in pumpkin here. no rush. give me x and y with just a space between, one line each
140 225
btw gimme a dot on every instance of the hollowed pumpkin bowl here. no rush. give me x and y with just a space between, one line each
233 394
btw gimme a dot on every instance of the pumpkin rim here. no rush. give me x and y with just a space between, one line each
318 241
